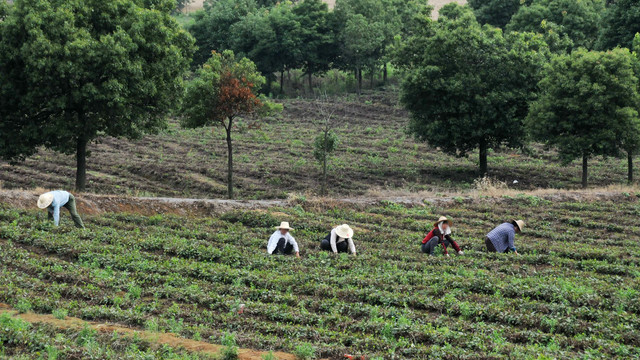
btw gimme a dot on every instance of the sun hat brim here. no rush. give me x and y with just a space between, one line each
45 200
344 231
442 219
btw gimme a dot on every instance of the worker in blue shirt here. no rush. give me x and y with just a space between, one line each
54 200
501 239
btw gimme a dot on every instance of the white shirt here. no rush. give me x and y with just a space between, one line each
335 239
273 241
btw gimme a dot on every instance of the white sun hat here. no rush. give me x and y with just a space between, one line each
344 231
284 225
519 224
45 200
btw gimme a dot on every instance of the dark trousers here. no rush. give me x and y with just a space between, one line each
342 247
489 244
430 246
71 206
283 248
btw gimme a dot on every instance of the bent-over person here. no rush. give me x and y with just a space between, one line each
339 240
502 238
440 235
281 242
54 200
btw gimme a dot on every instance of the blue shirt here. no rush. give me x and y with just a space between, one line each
502 237
60 199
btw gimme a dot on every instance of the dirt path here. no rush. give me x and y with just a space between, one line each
97 204
153 337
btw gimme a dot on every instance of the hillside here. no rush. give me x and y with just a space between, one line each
571 294
275 157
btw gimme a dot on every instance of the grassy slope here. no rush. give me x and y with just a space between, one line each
572 293
374 152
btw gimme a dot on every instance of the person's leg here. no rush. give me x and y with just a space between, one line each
325 245
342 247
71 206
489 244
425 248
431 245
288 249
280 247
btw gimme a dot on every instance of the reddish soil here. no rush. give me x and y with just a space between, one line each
159 338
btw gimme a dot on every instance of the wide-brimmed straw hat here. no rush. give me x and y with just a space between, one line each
344 231
519 224
441 219
45 200
284 225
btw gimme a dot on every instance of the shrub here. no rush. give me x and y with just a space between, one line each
60 314
305 352
230 350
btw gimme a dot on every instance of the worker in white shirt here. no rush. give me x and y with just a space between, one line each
339 240
281 242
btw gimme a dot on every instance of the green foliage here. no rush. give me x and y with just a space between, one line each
620 23
60 314
74 71
324 145
495 12
588 104
269 356
305 352
230 350
579 21
468 86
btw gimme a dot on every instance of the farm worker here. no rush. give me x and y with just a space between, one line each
440 234
501 238
281 242
54 200
339 240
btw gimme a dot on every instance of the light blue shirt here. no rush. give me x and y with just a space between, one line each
60 199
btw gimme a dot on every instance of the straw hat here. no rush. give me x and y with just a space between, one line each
284 225
344 231
519 223
441 219
45 200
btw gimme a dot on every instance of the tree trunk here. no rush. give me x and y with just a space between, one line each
359 81
630 167
229 162
371 79
281 82
81 163
324 175
385 74
483 157
310 78
585 171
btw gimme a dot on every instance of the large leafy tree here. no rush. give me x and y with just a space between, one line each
212 25
578 20
468 86
588 105
72 71
620 24
495 12
224 89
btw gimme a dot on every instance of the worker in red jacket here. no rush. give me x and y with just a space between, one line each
441 234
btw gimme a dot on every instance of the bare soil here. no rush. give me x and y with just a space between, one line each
154 337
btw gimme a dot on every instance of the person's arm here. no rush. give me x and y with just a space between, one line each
352 246
512 236
56 215
273 242
293 242
332 240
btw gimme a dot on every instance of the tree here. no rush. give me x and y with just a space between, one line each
468 86
224 89
588 105
326 141
619 25
495 12
578 20
212 27
74 71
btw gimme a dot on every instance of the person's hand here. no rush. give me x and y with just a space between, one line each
298 255
447 255
354 254
516 252
460 252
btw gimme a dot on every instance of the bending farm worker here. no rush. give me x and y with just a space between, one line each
281 242
501 239
339 240
440 234
54 200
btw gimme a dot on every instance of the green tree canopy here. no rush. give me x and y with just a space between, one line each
212 25
468 86
620 24
578 20
588 105
495 12
73 71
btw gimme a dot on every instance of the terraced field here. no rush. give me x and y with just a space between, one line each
274 158
573 293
